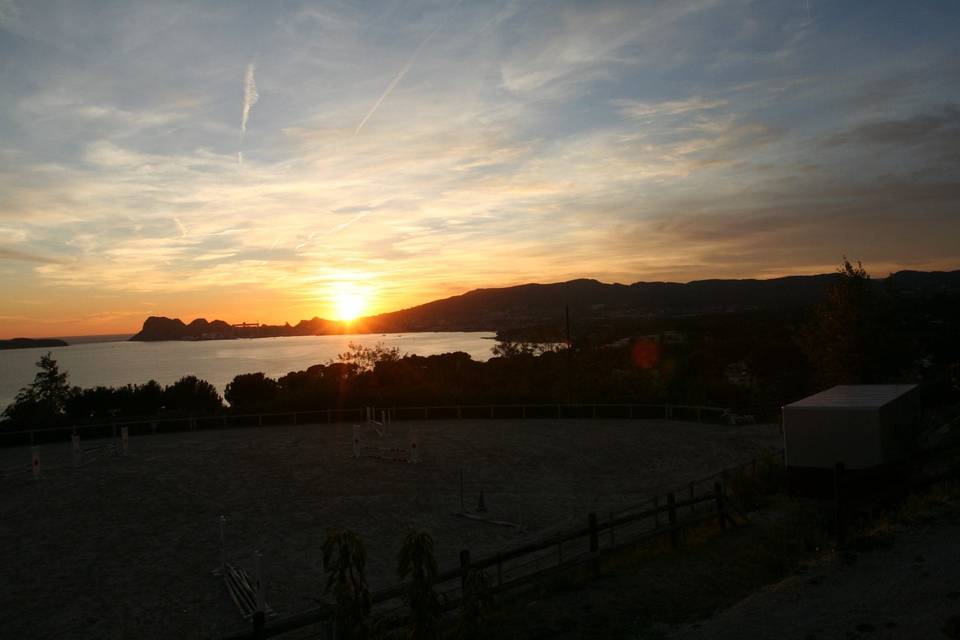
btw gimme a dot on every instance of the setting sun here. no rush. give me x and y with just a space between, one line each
349 306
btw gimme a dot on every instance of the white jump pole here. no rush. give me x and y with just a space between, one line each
124 440
356 441
35 462
77 450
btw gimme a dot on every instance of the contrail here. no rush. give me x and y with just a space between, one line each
250 96
181 227
399 76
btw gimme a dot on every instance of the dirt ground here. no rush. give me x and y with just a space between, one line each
124 546
908 589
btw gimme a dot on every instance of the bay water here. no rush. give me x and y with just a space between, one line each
117 363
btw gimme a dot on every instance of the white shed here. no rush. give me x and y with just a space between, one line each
862 426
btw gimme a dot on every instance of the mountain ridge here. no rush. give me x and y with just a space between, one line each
508 308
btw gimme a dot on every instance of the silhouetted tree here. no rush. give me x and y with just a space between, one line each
366 358
190 394
146 399
106 403
344 560
417 563
848 340
43 402
251 391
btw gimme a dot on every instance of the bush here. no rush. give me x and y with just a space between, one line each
251 392
191 395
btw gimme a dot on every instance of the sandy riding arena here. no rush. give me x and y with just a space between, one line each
124 546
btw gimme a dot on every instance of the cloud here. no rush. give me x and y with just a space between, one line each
8 13
942 126
7 253
250 95
647 111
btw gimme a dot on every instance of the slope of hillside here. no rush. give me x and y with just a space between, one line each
529 304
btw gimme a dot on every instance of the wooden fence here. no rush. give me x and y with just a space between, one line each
534 562
149 426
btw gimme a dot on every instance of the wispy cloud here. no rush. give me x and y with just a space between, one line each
646 111
250 96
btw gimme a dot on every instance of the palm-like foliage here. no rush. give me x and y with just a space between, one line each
344 560
476 601
418 564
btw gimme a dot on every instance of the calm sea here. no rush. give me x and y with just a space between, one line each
217 361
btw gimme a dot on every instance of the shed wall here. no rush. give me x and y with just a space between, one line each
822 437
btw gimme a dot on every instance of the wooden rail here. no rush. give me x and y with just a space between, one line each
145 426
590 547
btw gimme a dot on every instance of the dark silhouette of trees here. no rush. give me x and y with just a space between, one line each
191 395
366 358
851 336
252 392
100 404
418 565
344 561
43 402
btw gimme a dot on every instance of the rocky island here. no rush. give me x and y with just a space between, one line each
31 343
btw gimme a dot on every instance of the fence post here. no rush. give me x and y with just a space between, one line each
672 513
594 534
721 513
838 498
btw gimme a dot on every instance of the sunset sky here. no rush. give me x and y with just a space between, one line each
266 161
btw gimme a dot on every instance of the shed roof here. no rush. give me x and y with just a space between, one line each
854 396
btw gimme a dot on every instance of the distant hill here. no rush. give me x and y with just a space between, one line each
31 343
523 305
529 304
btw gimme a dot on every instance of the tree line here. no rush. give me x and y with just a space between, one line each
753 362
